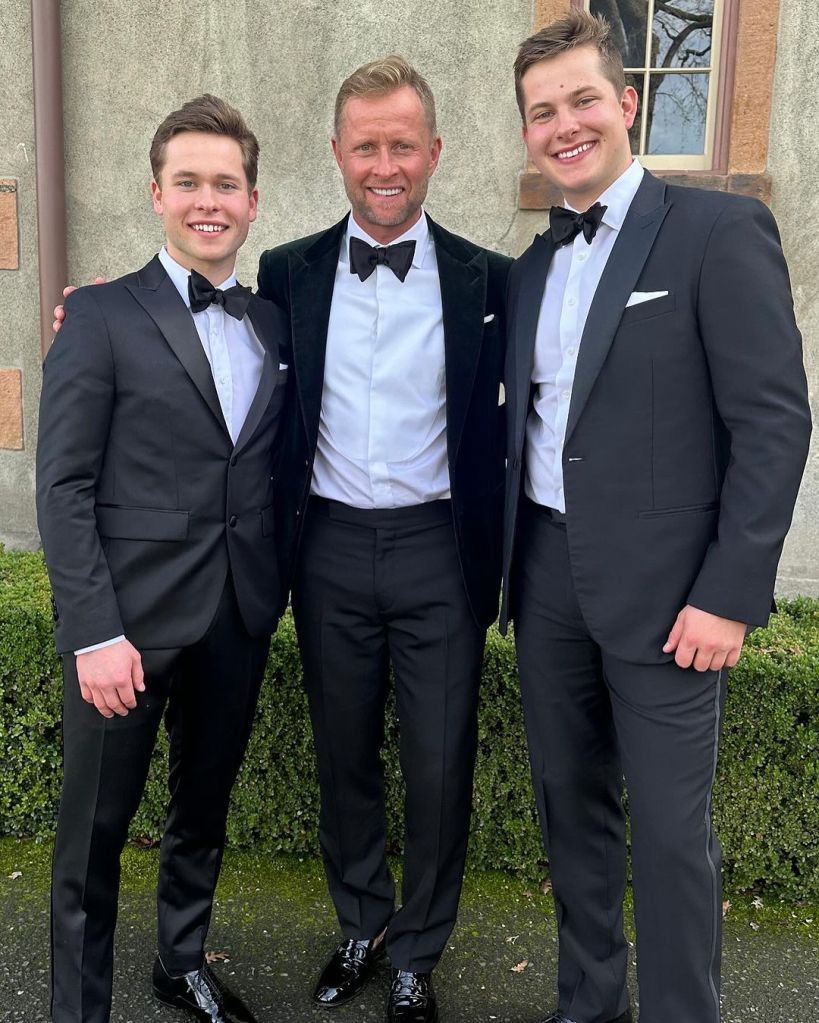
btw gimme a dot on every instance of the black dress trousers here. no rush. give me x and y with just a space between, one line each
375 587
592 721
208 694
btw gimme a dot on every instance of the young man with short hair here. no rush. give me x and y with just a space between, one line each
658 428
156 474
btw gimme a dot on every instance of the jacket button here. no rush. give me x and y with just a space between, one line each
232 521
234 460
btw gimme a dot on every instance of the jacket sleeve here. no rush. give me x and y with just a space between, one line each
754 355
76 405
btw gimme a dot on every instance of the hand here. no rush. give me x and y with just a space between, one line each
705 641
59 310
110 678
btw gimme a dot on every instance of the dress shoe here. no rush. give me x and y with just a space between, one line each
558 1017
347 971
411 998
202 994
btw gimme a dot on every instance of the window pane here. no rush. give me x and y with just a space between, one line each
634 133
628 19
682 33
677 107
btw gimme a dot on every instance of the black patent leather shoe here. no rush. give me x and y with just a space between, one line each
202 994
347 971
558 1017
411 998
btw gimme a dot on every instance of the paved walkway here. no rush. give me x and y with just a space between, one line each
275 922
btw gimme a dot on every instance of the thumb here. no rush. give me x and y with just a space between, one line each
674 636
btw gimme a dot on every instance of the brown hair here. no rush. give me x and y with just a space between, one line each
381 77
216 117
576 28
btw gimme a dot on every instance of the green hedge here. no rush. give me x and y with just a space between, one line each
767 800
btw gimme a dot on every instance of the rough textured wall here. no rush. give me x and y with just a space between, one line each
128 64
19 297
794 167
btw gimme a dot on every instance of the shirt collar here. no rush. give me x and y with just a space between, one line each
179 276
419 233
619 195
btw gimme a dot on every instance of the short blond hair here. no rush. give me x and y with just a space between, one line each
576 28
380 78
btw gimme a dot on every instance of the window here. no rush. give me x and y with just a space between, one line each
670 51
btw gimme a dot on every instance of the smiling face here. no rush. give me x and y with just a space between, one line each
575 124
203 198
387 155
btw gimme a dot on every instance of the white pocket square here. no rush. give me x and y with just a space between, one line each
637 297
282 365
489 318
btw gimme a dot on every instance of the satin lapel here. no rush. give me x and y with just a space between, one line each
264 328
463 298
312 278
534 266
161 301
626 261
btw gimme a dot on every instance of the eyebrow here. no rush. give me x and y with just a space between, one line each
572 95
195 174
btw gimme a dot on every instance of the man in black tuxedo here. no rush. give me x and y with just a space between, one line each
156 474
392 528
658 428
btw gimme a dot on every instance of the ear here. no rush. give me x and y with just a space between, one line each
156 196
435 154
337 151
253 206
628 104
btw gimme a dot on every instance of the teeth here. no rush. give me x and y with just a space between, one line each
208 228
387 191
575 152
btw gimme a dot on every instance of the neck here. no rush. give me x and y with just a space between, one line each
385 234
215 273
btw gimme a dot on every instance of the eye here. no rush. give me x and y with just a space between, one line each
543 115
365 147
229 186
184 184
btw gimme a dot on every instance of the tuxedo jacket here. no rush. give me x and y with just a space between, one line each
144 503
688 423
299 277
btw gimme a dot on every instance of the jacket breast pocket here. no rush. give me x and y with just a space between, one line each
648 309
120 523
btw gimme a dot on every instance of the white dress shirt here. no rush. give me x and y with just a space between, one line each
234 352
382 430
235 356
571 283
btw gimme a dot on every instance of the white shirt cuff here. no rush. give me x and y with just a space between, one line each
99 646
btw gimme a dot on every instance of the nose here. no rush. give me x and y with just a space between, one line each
208 198
384 164
566 122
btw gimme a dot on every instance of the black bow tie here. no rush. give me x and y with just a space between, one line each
202 293
365 258
566 224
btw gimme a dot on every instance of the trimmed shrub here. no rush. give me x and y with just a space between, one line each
766 801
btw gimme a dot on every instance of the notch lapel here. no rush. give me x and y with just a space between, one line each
157 295
312 279
625 263
463 298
